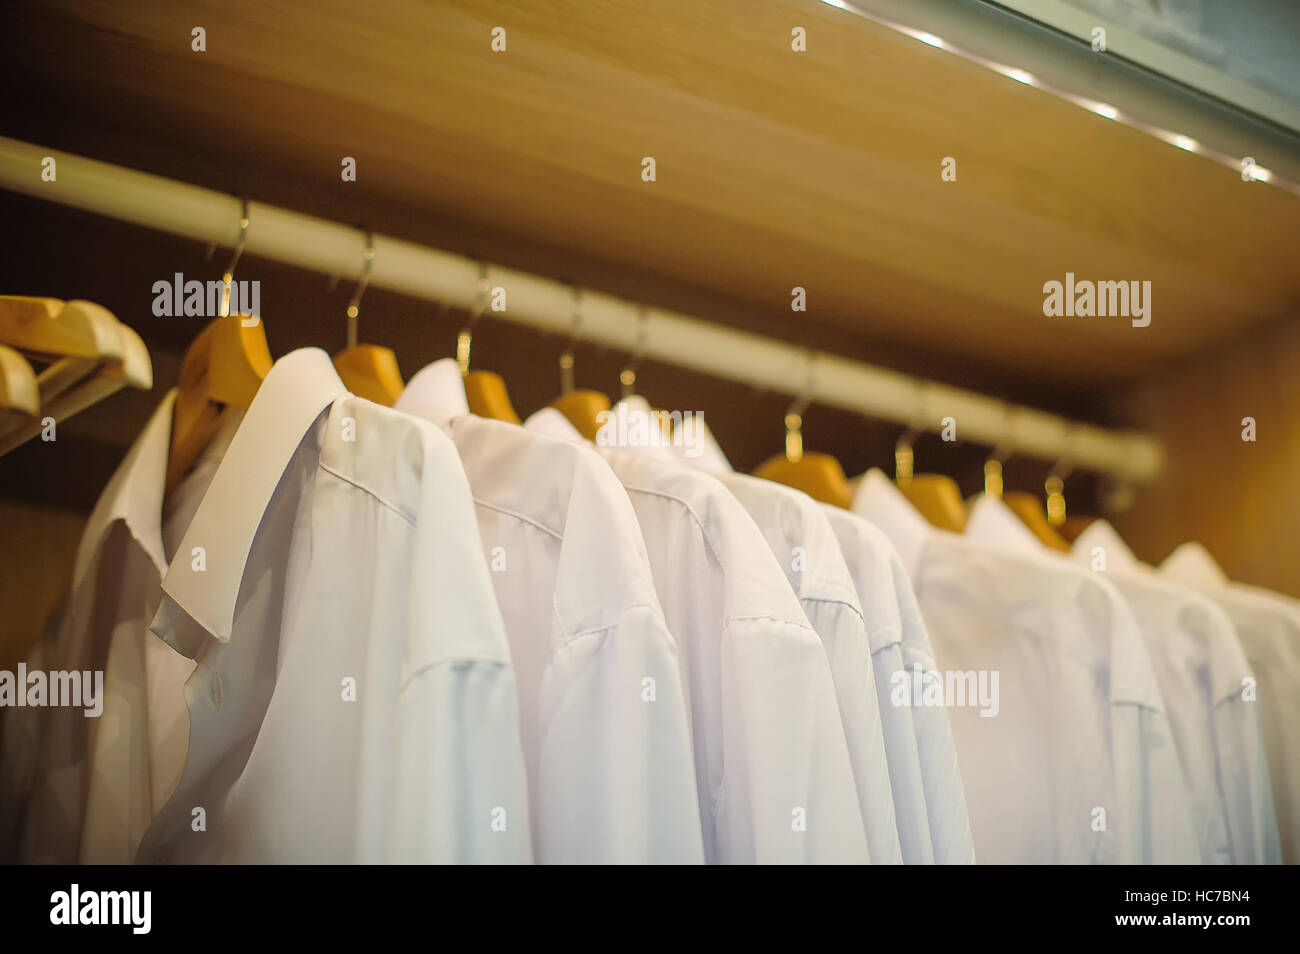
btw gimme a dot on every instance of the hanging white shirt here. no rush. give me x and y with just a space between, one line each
605 727
1074 762
93 785
929 801
772 764
353 698
801 539
1268 627
1207 686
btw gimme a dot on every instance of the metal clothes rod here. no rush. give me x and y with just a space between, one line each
212 218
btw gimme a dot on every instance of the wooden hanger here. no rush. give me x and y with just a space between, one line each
581 408
820 476
1031 514
371 372
485 392
936 497
90 355
19 394
134 370
223 367
487 396
75 338
939 500
368 371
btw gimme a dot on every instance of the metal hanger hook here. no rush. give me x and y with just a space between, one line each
354 306
228 276
627 376
795 412
1001 452
904 453
466 336
1054 485
566 356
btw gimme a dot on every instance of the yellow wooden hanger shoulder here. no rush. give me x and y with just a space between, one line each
53 329
938 498
371 372
583 408
90 355
223 367
1031 514
487 396
19 393
135 370
238 362
820 476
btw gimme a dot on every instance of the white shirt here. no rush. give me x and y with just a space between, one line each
605 727
805 546
929 801
353 698
775 780
1207 686
77 789
1075 763
1268 627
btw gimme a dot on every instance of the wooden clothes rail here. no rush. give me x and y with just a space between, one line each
213 217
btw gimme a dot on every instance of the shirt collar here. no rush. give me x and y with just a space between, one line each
634 415
1099 533
436 394
993 523
877 499
298 387
134 495
1192 565
710 456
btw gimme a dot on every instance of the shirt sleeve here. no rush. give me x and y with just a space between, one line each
945 795
460 791
459 794
1244 782
788 794
1154 822
616 772
905 781
844 637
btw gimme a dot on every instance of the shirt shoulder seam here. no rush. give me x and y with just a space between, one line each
631 488
408 518
518 516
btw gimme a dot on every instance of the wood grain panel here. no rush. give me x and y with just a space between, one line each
775 168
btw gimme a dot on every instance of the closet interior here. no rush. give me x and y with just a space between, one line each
828 228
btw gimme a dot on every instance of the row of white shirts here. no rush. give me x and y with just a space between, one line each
363 634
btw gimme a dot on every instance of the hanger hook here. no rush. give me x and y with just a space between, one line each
228 276
1055 483
354 306
1002 450
627 377
466 336
904 455
566 357
795 412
